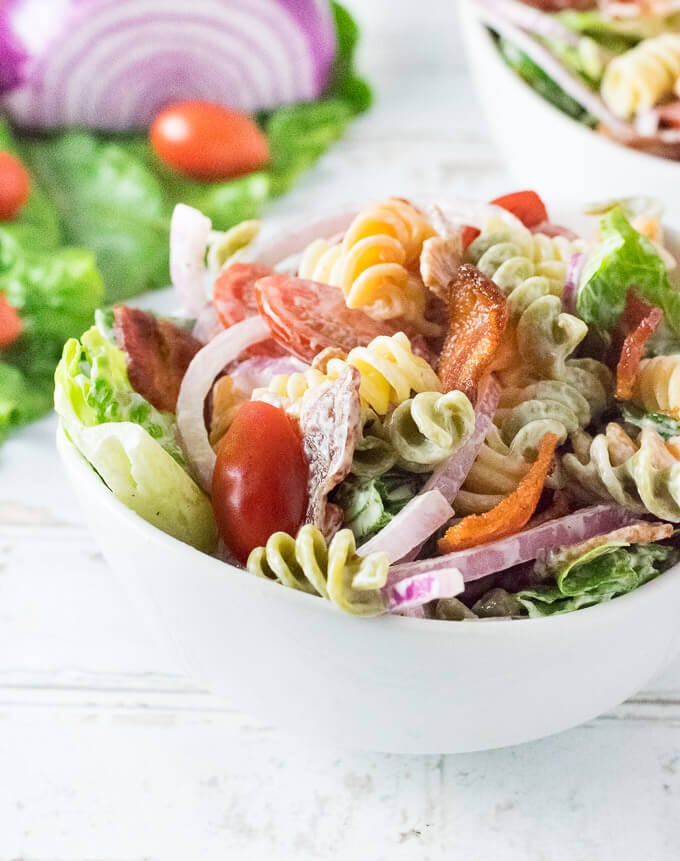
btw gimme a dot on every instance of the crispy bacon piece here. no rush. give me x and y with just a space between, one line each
638 322
511 514
478 316
158 354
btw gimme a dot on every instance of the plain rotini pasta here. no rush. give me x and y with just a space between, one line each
376 262
390 373
494 475
427 429
641 474
643 77
332 570
657 385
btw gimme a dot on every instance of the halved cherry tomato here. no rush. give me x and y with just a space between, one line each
15 184
10 324
525 205
207 141
468 235
260 480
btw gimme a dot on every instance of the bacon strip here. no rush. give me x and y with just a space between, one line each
158 354
639 320
478 316
511 514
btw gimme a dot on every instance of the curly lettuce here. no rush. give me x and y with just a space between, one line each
130 443
622 259
368 506
599 575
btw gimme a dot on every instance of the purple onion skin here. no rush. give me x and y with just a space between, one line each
315 21
12 54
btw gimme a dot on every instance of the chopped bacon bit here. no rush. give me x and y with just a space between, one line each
478 316
511 514
507 356
10 323
639 320
158 353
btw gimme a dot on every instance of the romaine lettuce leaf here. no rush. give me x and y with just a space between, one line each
130 443
369 506
599 575
142 475
92 388
22 398
624 258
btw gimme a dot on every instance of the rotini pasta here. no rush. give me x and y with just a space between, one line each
390 372
333 570
494 475
644 76
376 263
426 429
641 474
657 385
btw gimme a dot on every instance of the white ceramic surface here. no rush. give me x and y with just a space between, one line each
544 148
389 684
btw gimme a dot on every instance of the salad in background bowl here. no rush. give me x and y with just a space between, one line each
584 92
460 413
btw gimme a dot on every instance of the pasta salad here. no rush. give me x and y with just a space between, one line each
447 411
613 65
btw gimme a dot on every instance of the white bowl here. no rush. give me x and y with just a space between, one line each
388 684
544 148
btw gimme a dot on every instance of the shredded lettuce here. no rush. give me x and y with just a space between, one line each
617 34
369 506
624 258
599 575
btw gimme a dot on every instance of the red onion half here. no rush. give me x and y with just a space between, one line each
114 64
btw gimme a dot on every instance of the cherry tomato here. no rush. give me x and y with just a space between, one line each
525 205
259 484
10 324
208 142
15 184
468 235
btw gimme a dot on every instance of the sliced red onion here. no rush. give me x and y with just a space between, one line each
525 546
571 84
198 381
258 371
547 228
207 324
411 527
189 234
421 588
576 263
533 20
113 64
448 478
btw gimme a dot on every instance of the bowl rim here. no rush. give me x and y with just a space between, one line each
558 116
77 466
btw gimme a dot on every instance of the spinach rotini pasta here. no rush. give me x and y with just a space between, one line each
358 460
332 570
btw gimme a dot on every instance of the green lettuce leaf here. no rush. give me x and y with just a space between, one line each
624 258
618 34
23 398
599 575
130 443
369 506
92 388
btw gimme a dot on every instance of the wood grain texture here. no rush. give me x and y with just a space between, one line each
107 753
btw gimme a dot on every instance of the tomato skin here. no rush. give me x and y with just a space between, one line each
525 205
206 141
15 185
10 323
260 480
468 235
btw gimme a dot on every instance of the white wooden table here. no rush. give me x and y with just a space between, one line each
107 754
